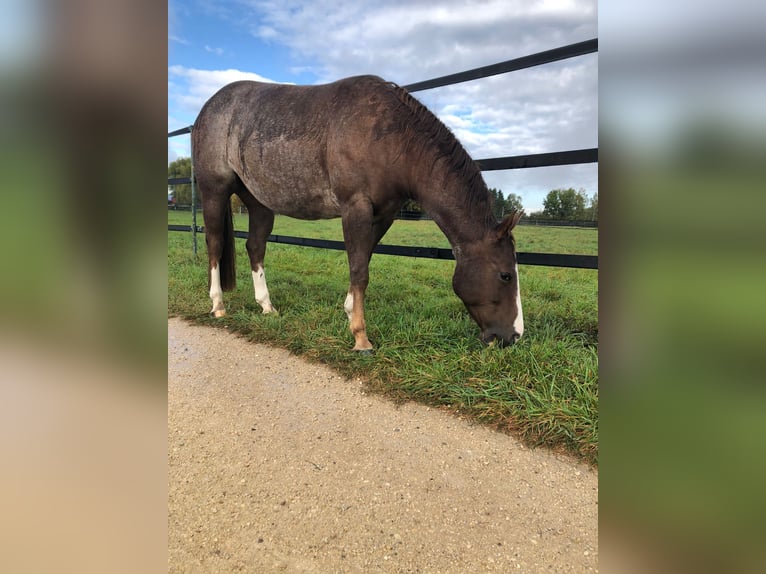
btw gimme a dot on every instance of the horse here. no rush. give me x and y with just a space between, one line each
357 149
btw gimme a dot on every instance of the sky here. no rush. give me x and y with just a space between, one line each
547 108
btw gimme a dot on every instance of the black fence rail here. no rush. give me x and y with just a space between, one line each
569 157
546 57
546 259
559 222
408 215
405 215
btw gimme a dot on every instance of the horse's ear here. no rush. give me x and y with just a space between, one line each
505 227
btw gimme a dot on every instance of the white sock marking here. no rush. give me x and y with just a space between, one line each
216 293
261 291
348 306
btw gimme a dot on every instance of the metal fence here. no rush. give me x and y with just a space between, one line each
569 157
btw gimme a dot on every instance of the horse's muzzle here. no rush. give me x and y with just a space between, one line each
499 340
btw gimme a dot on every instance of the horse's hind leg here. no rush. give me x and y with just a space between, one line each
261 224
219 237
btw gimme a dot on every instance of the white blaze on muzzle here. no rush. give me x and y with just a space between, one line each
518 323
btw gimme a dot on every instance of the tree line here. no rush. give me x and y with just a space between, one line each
568 205
559 204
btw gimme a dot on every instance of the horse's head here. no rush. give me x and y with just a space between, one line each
487 280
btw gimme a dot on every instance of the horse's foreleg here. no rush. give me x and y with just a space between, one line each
354 307
354 304
357 233
361 234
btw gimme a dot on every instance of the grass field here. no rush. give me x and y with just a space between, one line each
543 389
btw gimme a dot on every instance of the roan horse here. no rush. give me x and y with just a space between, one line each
356 149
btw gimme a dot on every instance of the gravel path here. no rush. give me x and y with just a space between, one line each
279 465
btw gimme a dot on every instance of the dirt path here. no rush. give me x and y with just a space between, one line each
279 465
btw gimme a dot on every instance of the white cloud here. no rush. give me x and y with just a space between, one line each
190 88
21 28
216 51
409 40
542 109
173 25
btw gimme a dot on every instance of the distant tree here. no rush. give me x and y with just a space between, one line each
594 207
513 203
497 201
565 204
412 205
181 168
236 205
552 204
591 211
501 205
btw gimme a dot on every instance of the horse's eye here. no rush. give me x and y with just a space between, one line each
506 277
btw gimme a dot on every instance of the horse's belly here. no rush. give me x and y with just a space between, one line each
307 206
290 181
297 199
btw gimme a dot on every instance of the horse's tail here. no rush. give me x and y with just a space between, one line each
228 263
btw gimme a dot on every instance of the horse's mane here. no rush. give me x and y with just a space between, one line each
426 131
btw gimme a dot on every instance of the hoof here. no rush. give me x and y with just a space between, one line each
270 311
218 314
364 352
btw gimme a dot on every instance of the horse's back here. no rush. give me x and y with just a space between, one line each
300 150
271 111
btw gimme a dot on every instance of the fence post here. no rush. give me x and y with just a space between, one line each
193 196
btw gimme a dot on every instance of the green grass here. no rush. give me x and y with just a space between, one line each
543 389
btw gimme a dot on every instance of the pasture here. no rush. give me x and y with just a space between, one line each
544 389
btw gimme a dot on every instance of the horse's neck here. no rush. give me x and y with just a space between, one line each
462 221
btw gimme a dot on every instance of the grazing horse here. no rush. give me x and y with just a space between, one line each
356 149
